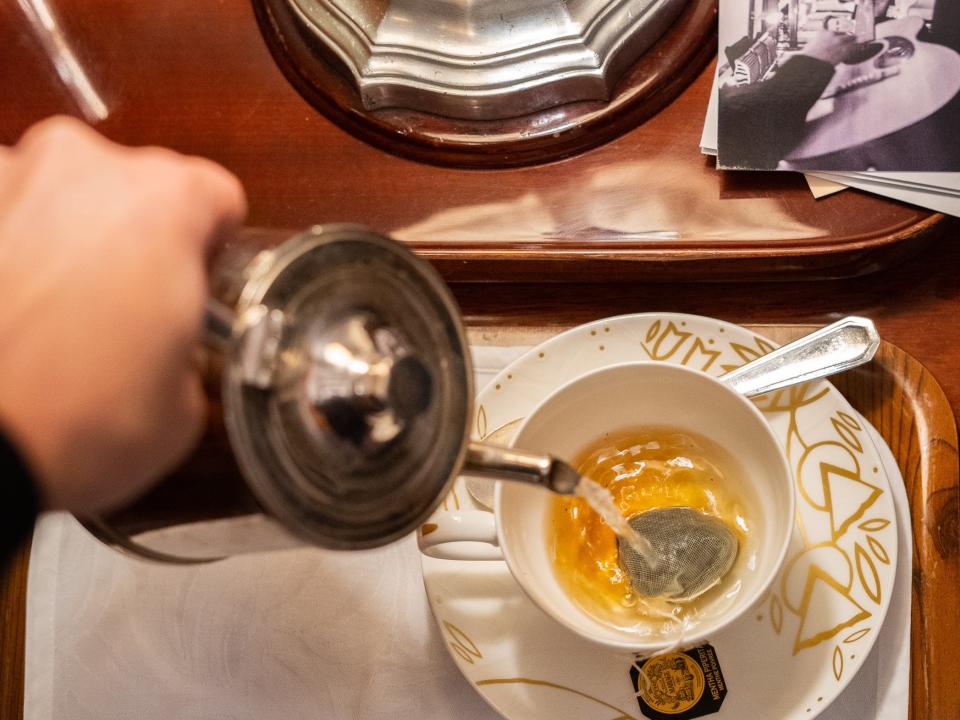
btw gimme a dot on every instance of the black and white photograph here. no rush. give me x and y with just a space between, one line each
839 85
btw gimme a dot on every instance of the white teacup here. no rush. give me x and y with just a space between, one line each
614 398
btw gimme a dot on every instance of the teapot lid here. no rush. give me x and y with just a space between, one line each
347 389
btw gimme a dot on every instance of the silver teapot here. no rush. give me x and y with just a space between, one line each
346 392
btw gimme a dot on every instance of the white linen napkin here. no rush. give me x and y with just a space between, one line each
296 634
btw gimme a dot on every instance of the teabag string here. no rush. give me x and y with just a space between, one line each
691 553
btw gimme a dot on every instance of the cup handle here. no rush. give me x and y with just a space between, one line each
465 535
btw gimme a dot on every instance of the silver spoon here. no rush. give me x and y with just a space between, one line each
840 346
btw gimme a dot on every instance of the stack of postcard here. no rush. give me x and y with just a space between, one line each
865 93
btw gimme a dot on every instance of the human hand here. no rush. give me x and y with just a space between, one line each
831 47
102 263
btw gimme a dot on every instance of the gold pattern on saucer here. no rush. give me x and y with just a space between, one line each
503 434
428 528
867 571
815 475
791 401
854 636
878 550
873 525
661 346
826 556
820 594
461 643
545 683
747 353
840 521
699 356
818 485
845 425
837 662
776 614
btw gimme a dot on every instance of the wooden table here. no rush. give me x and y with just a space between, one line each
197 77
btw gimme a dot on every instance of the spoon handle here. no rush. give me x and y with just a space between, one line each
843 345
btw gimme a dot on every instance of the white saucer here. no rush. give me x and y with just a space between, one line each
788 658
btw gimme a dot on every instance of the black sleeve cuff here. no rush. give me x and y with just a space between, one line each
803 79
19 500
761 123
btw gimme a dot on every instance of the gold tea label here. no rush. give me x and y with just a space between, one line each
679 685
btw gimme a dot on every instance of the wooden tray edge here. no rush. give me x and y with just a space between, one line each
13 626
566 261
901 398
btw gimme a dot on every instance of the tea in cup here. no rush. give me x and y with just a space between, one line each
655 435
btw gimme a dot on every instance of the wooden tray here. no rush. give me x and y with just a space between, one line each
198 77
906 405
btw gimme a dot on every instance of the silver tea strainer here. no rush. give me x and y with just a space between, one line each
693 551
